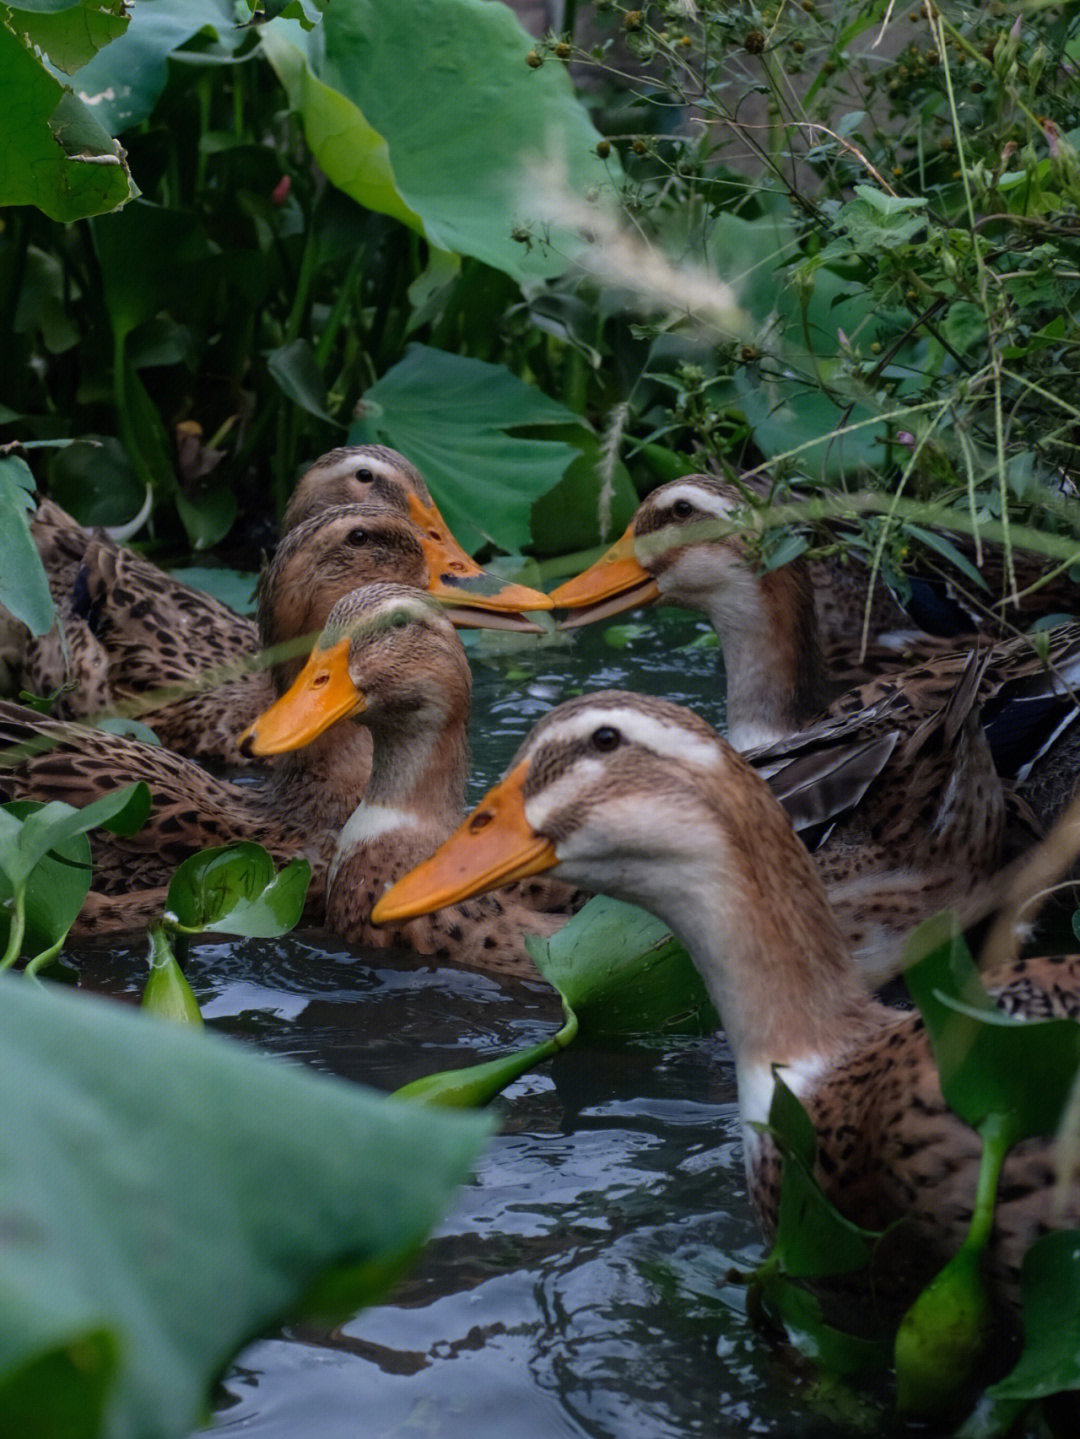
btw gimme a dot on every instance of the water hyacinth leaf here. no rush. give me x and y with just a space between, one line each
621 972
24 588
209 516
59 158
167 993
989 1063
233 889
475 1085
842 1354
235 588
248 1181
62 1391
453 417
942 1336
95 481
48 826
54 890
812 1236
1050 1290
390 154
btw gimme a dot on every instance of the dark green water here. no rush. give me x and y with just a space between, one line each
577 1286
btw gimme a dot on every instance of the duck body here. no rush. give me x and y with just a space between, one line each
305 798
162 638
389 661
713 855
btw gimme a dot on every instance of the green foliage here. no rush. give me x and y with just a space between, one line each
454 417
1050 1363
234 890
167 993
24 588
57 156
495 120
45 867
246 1220
989 1063
618 972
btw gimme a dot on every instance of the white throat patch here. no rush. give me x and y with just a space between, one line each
368 822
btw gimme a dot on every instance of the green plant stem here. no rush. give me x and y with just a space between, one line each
997 1132
18 929
45 958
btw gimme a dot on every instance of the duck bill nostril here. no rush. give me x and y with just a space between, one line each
493 847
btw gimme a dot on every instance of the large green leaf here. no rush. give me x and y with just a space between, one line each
165 1195
1050 1283
989 1063
428 112
812 1236
24 588
24 841
452 417
55 890
621 972
124 80
234 889
69 34
55 155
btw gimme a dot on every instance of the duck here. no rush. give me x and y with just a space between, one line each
306 797
389 660
163 638
691 543
640 799
892 784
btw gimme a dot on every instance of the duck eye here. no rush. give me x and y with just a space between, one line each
606 738
363 475
357 538
399 619
682 509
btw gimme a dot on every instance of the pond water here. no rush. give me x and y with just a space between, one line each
580 1284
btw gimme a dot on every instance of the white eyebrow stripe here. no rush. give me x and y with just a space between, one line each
702 498
649 731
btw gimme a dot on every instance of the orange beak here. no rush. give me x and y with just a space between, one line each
321 694
461 584
493 847
616 582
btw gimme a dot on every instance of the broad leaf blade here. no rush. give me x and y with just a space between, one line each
1050 1286
455 167
24 589
173 1193
233 889
453 417
991 1064
622 972
55 888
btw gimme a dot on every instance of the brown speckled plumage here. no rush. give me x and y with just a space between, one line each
305 797
158 634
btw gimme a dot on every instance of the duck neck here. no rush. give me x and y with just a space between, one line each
752 911
420 763
772 654
320 785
